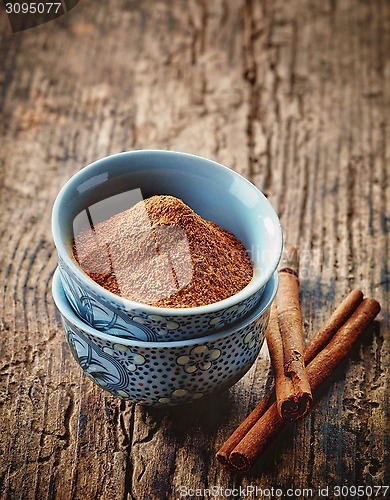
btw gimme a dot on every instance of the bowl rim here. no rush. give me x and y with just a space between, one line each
64 253
67 312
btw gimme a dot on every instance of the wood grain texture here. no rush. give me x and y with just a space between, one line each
293 95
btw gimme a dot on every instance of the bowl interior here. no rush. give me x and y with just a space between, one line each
212 190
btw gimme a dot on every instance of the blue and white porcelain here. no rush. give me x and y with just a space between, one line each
113 318
166 373
213 191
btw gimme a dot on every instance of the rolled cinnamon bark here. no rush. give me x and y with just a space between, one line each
322 337
290 403
330 327
223 454
319 369
285 341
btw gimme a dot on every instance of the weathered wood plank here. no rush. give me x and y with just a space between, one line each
293 95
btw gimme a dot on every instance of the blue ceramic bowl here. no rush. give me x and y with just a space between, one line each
213 191
165 373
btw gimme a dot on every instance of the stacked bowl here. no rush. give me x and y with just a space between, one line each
165 356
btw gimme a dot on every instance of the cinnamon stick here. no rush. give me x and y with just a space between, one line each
284 387
334 322
319 369
223 454
314 346
285 339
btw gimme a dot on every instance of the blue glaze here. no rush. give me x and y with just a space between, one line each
165 373
213 191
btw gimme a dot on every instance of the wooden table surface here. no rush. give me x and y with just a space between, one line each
293 95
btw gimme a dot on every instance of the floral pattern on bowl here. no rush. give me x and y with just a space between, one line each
163 373
184 373
100 317
200 358
112 319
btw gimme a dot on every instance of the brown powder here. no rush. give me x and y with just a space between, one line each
160 252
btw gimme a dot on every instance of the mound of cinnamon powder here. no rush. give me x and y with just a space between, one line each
160 252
